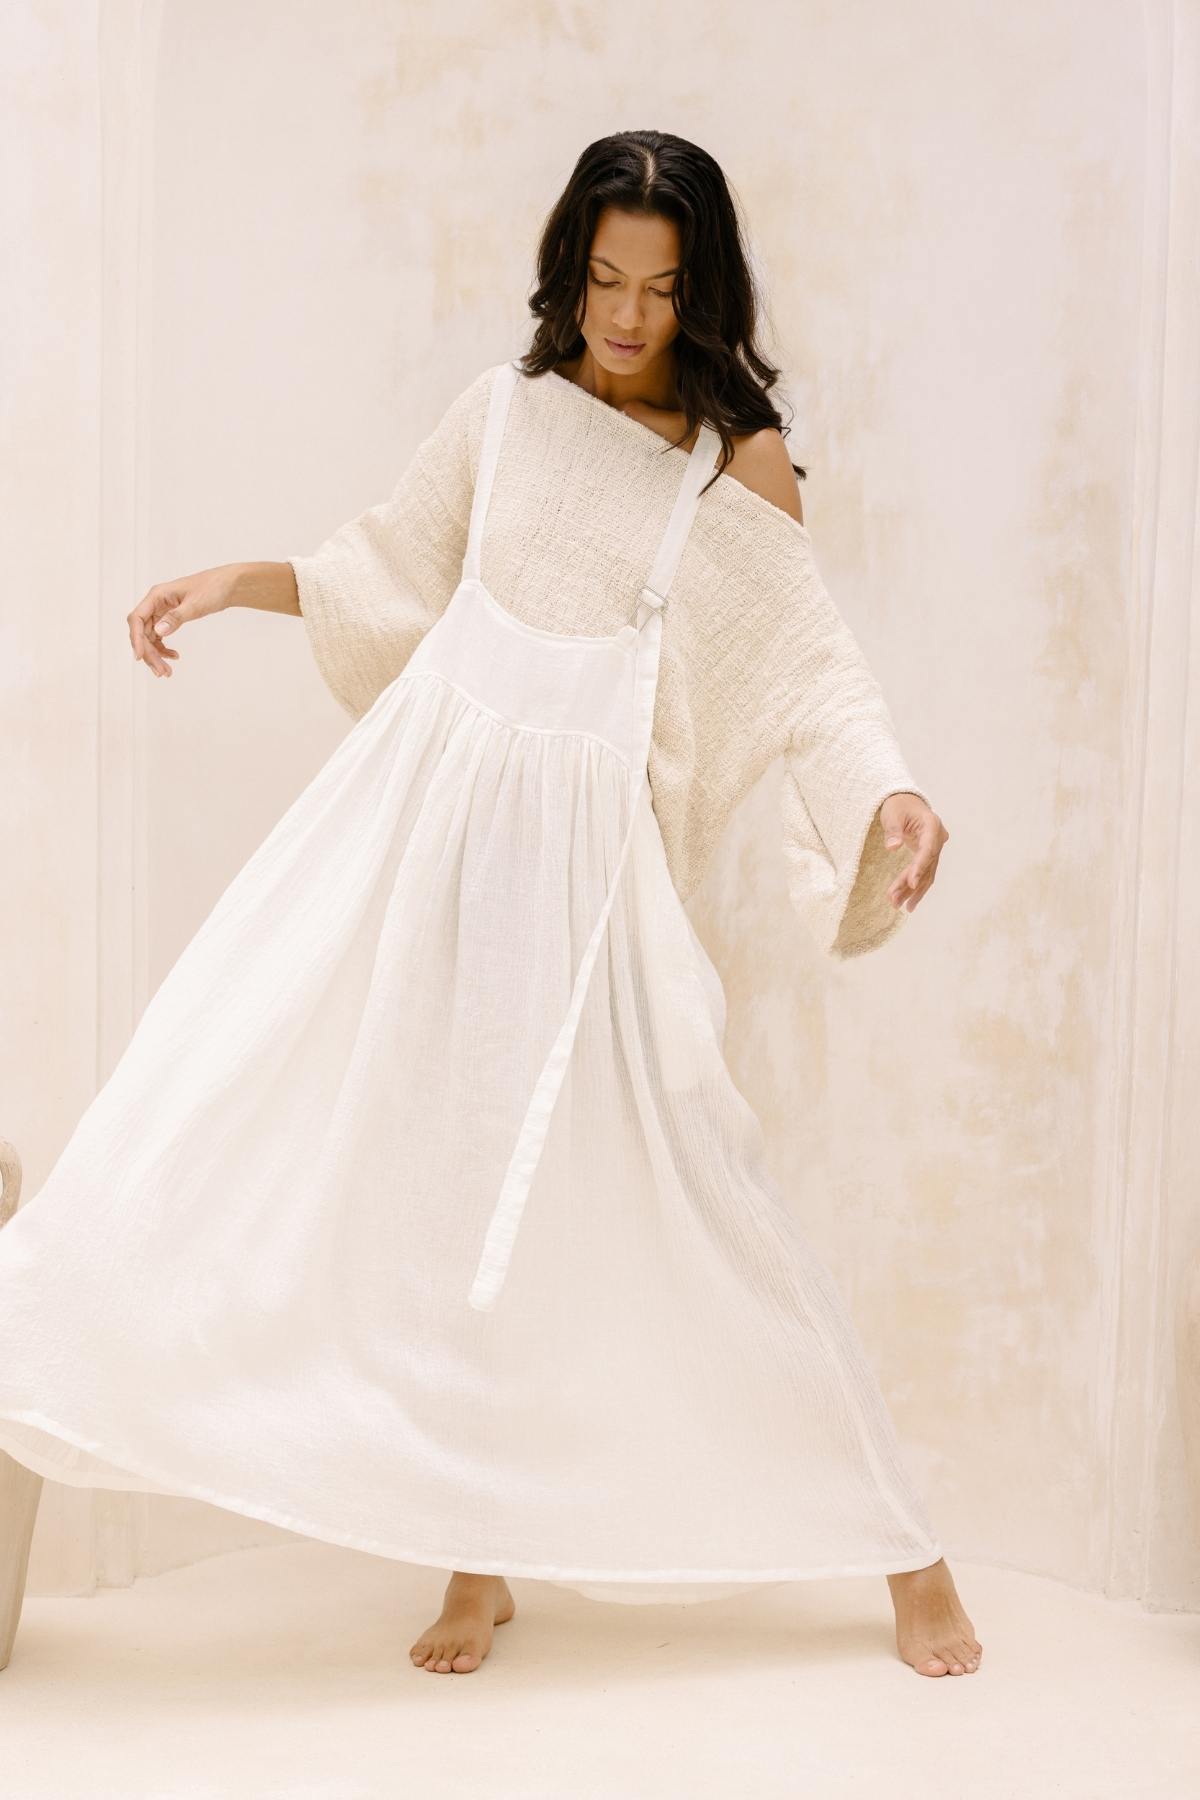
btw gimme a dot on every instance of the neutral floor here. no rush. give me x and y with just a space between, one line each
283 1671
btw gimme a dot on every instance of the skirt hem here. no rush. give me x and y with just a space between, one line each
438 1559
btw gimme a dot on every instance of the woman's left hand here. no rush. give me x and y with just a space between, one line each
907 819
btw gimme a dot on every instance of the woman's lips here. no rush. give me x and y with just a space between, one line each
619 349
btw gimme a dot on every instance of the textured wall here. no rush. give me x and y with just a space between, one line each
949 203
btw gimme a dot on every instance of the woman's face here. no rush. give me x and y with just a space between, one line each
631 277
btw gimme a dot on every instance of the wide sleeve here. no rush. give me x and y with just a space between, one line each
372 590
842 760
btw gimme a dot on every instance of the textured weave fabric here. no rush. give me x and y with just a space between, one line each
757 662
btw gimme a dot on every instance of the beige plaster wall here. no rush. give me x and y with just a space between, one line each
320 226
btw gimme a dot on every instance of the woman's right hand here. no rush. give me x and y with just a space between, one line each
170 604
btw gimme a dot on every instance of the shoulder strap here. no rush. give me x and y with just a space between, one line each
493 431
700 466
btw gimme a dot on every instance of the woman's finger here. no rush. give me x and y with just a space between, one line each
921 877
915 879
153 652
143 628
140 621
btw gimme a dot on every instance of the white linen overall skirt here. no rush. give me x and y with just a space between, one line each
421 1213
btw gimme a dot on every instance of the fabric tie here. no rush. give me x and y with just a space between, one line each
514 1190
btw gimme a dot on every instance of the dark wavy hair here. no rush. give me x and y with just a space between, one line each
722 377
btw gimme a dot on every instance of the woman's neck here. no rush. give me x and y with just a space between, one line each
652 387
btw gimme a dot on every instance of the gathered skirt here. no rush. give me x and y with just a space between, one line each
246 1276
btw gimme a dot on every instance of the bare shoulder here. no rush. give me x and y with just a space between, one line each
761 462
760 459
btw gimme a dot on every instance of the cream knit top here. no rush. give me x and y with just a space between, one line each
756 661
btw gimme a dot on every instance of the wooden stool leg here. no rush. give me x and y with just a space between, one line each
20 1491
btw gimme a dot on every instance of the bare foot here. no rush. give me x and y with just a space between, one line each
933 1633
461 1636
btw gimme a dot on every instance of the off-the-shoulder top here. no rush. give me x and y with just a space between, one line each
757 662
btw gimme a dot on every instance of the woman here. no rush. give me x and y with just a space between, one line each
445 1229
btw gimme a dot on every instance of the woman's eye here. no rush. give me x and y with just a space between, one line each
657 292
